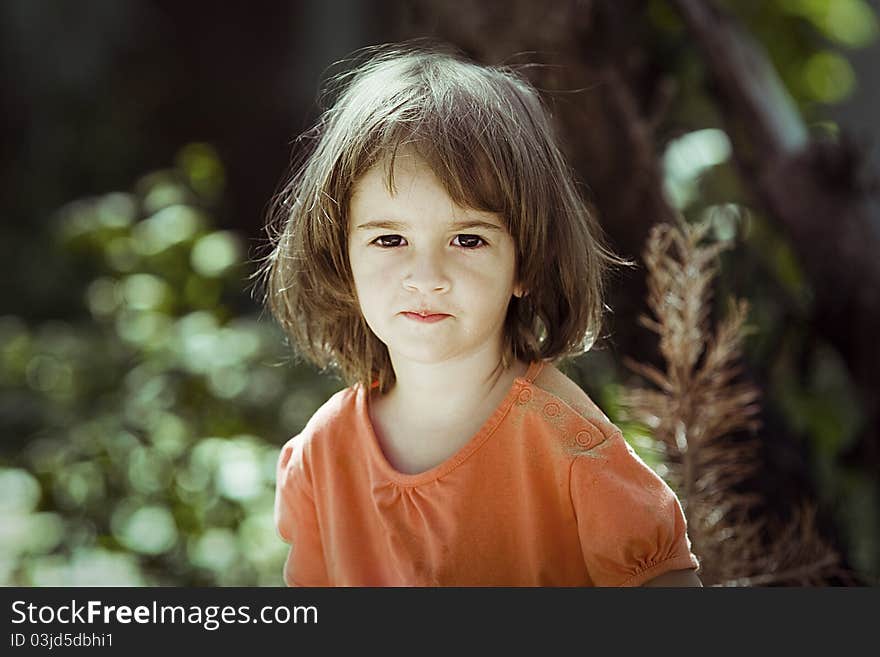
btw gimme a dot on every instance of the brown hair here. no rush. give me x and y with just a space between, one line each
485 134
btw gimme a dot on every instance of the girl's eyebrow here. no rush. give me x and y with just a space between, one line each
458 225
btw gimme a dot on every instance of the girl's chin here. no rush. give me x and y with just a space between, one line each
422 354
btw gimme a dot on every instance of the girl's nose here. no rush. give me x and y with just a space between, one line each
426 274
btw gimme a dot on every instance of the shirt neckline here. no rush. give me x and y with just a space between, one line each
472 445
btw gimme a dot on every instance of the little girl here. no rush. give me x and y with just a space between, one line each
433 250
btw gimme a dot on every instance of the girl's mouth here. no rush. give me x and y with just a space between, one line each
429 319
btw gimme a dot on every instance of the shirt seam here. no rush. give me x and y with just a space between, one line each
574 460
637 574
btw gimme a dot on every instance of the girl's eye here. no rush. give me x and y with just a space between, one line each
470 241
388 241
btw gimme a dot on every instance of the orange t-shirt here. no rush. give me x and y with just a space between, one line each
546 493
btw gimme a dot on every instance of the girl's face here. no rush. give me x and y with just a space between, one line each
433 279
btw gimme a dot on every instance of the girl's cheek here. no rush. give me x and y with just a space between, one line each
377 266
384 265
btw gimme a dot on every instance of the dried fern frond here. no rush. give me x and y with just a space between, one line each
797 555
700 397
695 410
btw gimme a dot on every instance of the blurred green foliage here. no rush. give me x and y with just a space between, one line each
140 440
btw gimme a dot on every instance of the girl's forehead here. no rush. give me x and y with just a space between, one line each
392 172
416 198
415 172
405 156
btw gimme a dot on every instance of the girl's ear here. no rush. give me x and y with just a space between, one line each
518 291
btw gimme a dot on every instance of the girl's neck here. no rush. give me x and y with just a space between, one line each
451 392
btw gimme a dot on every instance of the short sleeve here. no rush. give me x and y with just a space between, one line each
630 523
296 519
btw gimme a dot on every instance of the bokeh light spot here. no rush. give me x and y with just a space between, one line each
213 254
828 77
148 530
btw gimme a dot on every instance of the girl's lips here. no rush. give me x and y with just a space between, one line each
429 319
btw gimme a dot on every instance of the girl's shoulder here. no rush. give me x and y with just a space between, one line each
339 412
318 439
565 393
